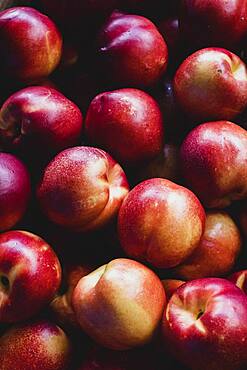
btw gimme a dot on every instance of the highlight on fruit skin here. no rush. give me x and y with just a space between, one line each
30 275
160 223
240 279
128 60
213 159
211 85
123 185
120 304
92 199
210 312
39 117
30 43
37 344
128 124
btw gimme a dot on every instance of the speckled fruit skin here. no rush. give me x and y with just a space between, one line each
217 251
120 304
40 117
213 22
160 222
205 325
211 84
82 188
30 275
30 44
131 51
61 307
240 279
171 285
214 163
127 123
38 345
15 189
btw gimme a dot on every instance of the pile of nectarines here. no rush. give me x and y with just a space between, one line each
123 185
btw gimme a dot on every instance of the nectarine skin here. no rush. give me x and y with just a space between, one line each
127 123
171 285
213 22
217 251
30 44
214 163
15 190
82 188
120 304
131 51
38 345
240 279
160 222
30 275
205 325
60 306
39 117
211 84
